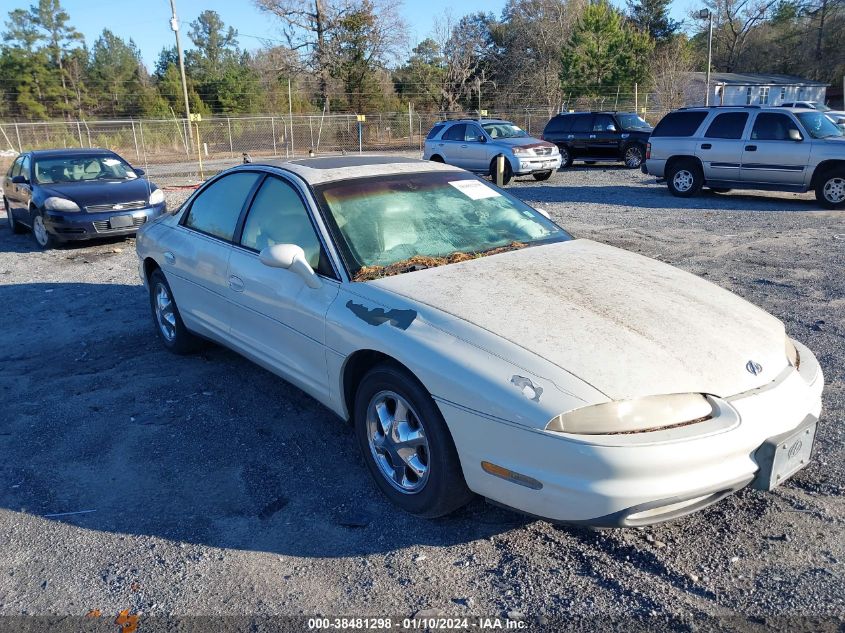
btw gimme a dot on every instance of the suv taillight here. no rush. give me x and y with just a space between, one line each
648 151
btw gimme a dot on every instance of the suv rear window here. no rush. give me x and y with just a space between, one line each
680 123
560 124
456 133
434 131
727 125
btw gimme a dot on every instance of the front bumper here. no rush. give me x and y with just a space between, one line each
85 226
533 164
634 479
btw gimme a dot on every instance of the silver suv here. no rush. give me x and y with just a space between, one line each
778 149
474 144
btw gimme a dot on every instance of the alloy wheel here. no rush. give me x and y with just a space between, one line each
834 190
40 231
397 442
165 312
633 157
683 180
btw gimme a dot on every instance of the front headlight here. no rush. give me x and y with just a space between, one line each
55 203
522 151
157 197
651 413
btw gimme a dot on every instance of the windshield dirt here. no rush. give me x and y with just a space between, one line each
395 224
81 168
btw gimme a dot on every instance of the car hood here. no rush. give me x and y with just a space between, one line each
627 325
527 142
100 191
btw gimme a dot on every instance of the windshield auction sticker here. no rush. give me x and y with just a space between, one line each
474 189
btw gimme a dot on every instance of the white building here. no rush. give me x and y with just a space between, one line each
754 89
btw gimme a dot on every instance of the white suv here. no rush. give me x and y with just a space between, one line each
780 149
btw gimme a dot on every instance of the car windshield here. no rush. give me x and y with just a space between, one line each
77 168
632 122
818 125
504 130
818 106
395 224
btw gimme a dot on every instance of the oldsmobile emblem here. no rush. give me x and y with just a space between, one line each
754 368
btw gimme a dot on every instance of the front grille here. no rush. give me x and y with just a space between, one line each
543 151
102 226
120 206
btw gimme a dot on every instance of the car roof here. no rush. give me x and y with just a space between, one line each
472 121
596 112
744 108
321 170
74 151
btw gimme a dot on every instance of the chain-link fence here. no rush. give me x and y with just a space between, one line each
176 151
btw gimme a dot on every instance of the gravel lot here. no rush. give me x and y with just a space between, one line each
215 488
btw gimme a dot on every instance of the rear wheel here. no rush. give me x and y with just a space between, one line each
542 175
406 444
506 176
830 189
633 156
684 179
166 317
14 226
436 159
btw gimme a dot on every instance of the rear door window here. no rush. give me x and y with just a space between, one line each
434 131
456 133
729 125
582 123
771 126
559 125
680 123
216 208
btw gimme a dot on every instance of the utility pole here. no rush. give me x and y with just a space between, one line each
707 13
174 24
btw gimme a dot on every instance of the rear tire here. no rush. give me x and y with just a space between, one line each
830 189
543 175
506 177
684 178
14 226
166 318
406 444
436 159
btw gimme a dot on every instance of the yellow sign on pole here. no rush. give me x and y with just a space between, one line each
362 118
484 113
195 117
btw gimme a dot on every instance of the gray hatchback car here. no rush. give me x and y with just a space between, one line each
750 147
474 145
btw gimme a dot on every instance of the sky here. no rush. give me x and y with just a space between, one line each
148 22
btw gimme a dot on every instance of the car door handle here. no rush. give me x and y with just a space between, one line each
236 283
706 146
592 136
169 257
750 148
571 136
464 146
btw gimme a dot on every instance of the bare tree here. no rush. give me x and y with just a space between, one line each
465 47
734 23
670 74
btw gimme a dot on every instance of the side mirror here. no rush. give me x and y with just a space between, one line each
611 128
20 180
139 172
482 139
795 135
290 257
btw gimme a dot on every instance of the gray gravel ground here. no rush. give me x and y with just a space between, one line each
217 488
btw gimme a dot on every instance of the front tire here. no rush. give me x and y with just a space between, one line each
166 318
43 237
565 157
830 189
684 179
634 156
543 175
406 444
14 226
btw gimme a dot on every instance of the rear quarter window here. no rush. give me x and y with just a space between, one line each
434 131
560 124
680 123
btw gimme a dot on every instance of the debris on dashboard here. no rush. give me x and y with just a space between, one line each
376 316
527 387
421 262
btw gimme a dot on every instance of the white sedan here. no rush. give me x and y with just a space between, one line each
477 347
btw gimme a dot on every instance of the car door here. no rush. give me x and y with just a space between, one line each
721 148
604 138
578 136
474 150
771 156
10 189
196 259
277 320
450 144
